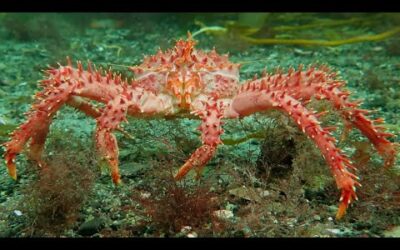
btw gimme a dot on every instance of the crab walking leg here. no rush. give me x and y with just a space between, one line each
210 136
114 113
323 84
36 127
60 86
37 143
133 102
84 106
197 160
356 116
248 102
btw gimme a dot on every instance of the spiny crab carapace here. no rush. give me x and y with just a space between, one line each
203 85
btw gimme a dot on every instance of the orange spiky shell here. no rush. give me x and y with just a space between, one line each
185 72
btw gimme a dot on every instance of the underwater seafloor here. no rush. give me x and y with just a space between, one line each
268 180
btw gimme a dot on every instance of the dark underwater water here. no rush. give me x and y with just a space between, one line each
294 195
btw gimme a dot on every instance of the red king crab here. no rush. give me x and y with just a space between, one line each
202 85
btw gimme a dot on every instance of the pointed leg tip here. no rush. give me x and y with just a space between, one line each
12 173
341 211
182 172
178 177
116 180
389 161
12 170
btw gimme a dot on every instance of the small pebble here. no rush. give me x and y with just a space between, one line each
17 212
333 230
186 229
224 214
145 195
377 48
302 52
265 193
192 235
